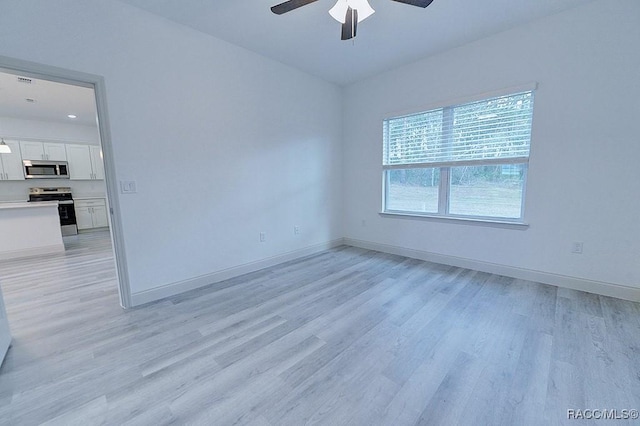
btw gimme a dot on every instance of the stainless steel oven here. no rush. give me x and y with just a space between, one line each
66 208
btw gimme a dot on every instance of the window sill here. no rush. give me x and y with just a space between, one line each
458 219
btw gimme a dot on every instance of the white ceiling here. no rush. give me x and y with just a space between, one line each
309 39
53 101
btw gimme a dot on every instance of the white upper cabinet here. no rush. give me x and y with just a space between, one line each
43 151
85 162
11 164
55 151
96 162
79 159
32 150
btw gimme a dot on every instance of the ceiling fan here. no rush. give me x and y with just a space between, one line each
347 12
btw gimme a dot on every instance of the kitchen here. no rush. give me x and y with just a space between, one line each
49 156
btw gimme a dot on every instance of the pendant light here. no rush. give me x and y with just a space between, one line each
4 148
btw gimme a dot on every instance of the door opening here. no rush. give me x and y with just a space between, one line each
97 172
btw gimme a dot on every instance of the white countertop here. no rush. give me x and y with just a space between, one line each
27 205
89 197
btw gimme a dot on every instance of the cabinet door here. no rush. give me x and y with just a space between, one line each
79 158
13 169
55 152
96 162
100 217
32 150
84 219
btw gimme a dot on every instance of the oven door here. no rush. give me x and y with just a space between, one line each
67 214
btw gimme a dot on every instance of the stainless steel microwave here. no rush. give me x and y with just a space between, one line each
46 169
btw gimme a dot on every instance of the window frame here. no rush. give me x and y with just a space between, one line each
444 188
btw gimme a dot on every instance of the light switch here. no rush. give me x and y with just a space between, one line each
128 186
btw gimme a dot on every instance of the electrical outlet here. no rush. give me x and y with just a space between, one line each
296 230
576 248
263 237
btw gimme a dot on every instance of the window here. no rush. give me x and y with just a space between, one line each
467 160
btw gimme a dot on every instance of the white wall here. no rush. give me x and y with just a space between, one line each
20 129
223 143
583 174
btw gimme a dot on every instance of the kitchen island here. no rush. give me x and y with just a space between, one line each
29 229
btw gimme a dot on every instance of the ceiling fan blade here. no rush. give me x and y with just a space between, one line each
350 24
419 3
290 5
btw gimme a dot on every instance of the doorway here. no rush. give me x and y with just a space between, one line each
101 176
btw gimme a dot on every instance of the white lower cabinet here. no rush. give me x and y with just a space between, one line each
91 213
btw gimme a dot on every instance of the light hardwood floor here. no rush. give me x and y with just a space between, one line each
347 336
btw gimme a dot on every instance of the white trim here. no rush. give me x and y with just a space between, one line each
565 281
472 220
5 331
37 251
442 164
172 289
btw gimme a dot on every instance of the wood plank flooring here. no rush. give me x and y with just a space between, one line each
347 336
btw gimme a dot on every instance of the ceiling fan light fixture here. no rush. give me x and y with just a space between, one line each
4 148
339 11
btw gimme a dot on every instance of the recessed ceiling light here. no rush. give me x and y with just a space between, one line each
72 116
24 80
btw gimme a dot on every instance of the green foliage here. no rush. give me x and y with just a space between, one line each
415 177
493 128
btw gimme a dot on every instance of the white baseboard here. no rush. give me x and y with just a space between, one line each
36 251
590 286
204 280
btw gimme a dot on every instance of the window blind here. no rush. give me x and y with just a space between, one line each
496 128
